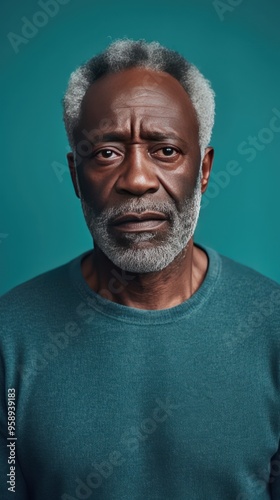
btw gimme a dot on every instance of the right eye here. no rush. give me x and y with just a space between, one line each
105 154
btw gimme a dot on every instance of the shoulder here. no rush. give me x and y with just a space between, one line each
227 268
245 277
243 289
37 293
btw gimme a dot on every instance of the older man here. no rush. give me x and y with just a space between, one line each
148 367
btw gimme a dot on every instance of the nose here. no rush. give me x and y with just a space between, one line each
138 174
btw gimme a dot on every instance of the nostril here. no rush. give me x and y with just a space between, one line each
137 182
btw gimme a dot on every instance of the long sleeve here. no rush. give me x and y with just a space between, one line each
275 476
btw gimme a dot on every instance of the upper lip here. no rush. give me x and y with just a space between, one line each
132 217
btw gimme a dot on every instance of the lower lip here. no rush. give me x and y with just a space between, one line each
144 225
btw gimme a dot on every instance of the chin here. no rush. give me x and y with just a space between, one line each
149 259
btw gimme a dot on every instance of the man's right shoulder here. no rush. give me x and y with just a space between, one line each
36 293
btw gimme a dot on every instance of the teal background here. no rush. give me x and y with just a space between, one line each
41 224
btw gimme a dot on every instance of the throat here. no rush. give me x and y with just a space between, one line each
149 291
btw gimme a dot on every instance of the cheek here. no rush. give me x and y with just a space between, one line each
180 183
95 188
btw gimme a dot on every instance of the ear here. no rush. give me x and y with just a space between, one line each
206 168
73 172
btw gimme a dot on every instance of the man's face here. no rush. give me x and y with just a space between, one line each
139 182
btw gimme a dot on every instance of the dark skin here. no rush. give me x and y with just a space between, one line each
137 162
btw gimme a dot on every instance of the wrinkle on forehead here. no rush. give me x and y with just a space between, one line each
154 114
148 106
128 86
124 101
137 97
135 93
133 126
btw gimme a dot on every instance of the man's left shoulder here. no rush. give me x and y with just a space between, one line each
246 273
248 284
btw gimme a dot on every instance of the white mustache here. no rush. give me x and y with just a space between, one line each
138 207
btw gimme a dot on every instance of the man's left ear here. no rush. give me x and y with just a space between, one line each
72 168
206 167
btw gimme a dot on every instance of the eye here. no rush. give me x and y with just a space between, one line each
105 154
166 153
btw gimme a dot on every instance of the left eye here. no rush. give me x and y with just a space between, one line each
166 152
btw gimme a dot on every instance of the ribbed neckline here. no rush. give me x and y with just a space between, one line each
134 315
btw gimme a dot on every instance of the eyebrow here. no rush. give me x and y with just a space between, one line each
150 135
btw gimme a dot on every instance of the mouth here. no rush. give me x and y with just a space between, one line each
145 221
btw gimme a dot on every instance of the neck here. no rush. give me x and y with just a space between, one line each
157 290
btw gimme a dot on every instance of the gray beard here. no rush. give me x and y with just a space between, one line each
156 255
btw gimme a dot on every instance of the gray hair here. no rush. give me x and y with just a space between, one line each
125 54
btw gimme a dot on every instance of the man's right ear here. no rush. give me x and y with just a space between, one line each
72 168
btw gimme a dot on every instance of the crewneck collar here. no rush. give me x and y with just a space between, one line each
134 315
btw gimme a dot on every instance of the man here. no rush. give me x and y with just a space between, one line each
148 367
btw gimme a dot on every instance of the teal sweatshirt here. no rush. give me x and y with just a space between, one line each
110 402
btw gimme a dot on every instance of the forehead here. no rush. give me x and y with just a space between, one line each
140 95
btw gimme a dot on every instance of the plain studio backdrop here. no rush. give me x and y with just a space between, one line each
236 46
